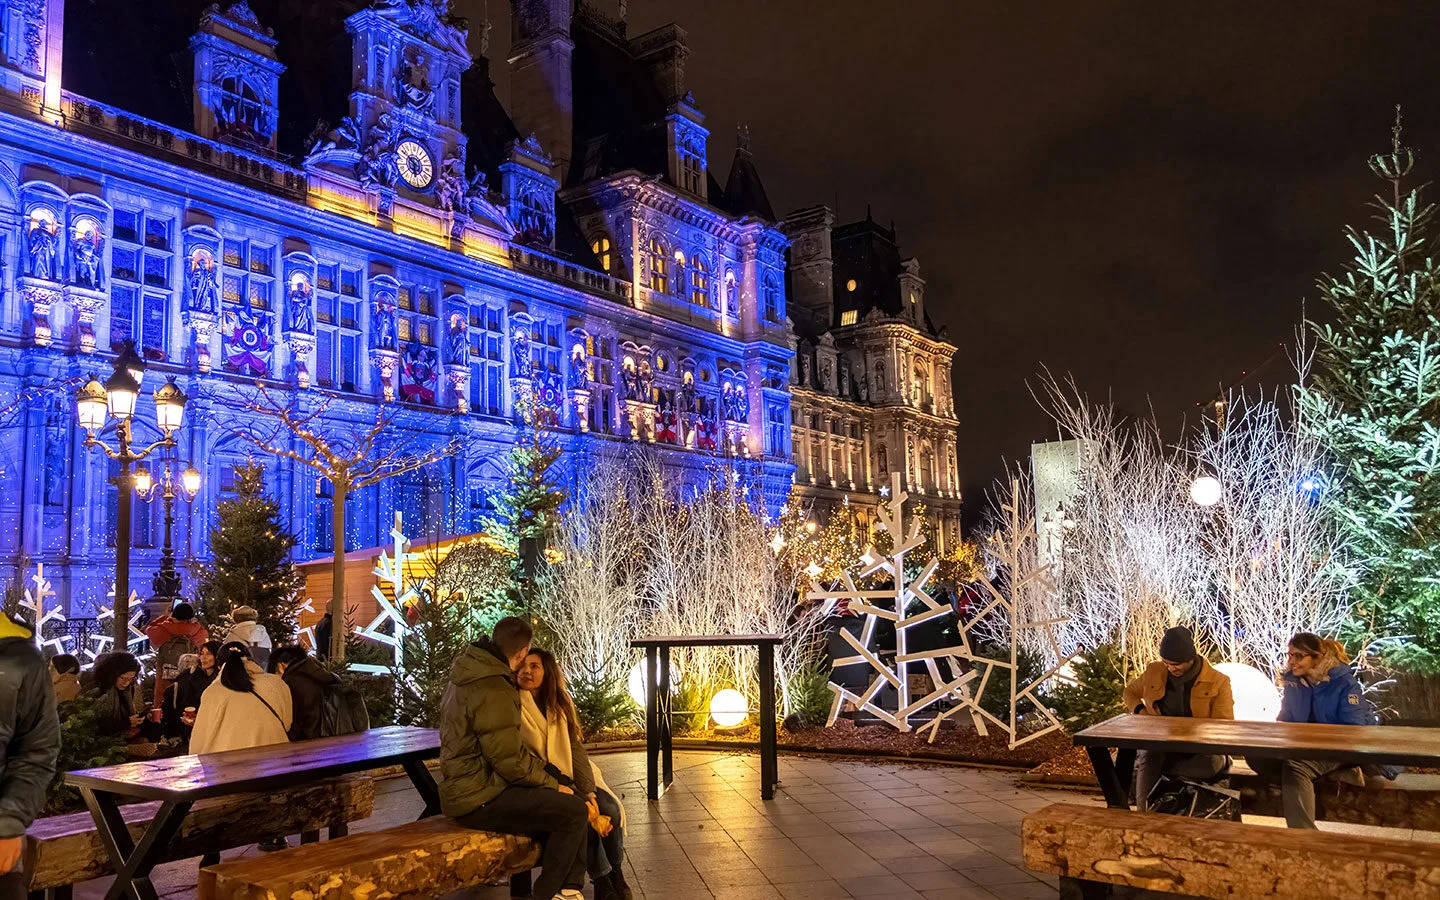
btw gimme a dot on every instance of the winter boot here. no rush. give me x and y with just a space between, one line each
605 888
617 880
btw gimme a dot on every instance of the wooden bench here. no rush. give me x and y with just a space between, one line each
429 858
66 850
1410 801
1210 858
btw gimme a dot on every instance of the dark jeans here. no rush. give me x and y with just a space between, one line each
13 885
607 853
1151 764
559 821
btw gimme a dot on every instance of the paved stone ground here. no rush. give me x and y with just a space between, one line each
836 829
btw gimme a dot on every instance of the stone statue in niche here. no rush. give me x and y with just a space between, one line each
55 476
742 402
579 369
412 84
85 248
631 377
687 394
864 388
879 379
805 371
382 322
825 373
647 381
43 241
301 304
457 347
520 350
450 188
204 288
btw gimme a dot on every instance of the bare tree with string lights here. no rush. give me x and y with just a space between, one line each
350 455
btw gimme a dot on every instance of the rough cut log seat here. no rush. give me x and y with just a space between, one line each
66 850
429 858
1209 858
1410 801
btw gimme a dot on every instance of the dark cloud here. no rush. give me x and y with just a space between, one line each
1139 193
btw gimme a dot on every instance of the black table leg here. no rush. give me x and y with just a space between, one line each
652 723
667 764
520 884
424 786
133 862
1117 793
769 765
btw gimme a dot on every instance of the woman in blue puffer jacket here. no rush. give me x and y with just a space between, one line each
1319 687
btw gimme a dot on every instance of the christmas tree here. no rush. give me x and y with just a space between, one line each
1375 401
250 560
527 505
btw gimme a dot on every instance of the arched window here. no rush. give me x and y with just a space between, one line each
240 112
659 267
772 300
603 252
699 282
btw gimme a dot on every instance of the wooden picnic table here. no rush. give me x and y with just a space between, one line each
659 767
1126 734
178 782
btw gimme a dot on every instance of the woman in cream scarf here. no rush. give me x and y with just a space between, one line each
548 725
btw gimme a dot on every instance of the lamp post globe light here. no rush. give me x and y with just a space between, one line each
95 404
166 583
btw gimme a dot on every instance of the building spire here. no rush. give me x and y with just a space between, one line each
742 137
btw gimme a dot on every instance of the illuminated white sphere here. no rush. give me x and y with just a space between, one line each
635 684
1206 490
1256 697
729 708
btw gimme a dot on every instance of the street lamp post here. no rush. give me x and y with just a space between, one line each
117 397
166 583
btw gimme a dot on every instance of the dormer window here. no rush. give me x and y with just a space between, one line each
603 252
849 317
690 173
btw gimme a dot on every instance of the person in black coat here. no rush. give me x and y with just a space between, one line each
308 682
323 630
115 688
188 689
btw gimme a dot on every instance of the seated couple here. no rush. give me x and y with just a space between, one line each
512 761
1319 686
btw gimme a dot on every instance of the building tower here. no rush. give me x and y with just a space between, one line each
543 100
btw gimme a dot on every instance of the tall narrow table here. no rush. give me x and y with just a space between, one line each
659 769
1126 734
178 782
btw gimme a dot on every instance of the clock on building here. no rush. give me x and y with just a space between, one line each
415 164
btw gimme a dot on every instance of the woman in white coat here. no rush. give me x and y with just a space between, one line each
549 726
243 708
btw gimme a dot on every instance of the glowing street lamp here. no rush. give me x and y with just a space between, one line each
165 586
118 397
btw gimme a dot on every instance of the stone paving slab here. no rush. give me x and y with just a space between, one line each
836 829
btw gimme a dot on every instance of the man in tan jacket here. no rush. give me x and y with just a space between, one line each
1180 683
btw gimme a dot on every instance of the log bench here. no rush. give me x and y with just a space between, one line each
428 858
1091 848
65 850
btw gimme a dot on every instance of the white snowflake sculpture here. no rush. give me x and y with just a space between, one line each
101 641
35 601
874 606
308 632
1026 578
392 613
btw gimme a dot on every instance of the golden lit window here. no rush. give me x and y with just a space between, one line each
699 282
658 264
850 317
851 285
601 249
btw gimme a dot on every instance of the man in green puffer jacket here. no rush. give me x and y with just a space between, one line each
490 780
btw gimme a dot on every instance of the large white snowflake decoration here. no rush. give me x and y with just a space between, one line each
891 604
308 632
102 641
391 569
36 600
1028 586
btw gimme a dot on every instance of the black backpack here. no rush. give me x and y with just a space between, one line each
342 711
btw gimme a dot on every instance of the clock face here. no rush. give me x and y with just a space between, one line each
415 164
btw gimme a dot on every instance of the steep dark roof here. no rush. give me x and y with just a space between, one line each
866 252
619 121
744 192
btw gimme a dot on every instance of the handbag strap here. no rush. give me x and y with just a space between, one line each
269 707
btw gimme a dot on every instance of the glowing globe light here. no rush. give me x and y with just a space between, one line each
729 708
1205 491
635 684
1256 697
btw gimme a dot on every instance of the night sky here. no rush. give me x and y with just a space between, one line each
1141 194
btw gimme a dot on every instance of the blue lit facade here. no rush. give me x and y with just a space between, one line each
424 248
